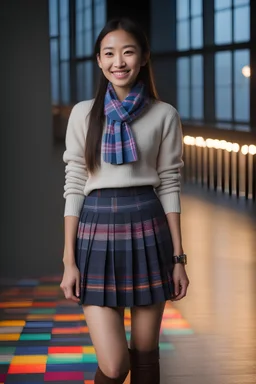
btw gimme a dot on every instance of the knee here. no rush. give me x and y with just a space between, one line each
114 369
144 357
145 345
115 372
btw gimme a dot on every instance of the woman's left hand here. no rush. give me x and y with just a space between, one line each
180 280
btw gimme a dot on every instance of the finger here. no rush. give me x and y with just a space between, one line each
75 299
183 291
70 295
77 287
64 291
176 287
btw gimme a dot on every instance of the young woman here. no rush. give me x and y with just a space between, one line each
123 244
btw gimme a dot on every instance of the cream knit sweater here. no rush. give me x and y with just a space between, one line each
158 137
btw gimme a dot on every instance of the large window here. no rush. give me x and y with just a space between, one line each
64 51
84 31
74 26
232 85
99 16
232 78
190 68
190 86
232 21
189 24
54 49
90 19
213 61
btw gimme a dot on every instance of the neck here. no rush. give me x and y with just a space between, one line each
122 92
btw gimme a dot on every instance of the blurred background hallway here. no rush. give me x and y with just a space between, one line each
203 54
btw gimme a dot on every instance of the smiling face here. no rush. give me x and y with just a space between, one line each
120 59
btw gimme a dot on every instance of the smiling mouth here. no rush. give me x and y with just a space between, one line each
121 72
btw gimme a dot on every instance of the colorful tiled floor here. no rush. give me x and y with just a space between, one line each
44 338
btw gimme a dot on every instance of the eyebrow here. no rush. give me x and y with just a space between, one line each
125 46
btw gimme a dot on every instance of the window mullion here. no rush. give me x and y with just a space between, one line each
208 62
59 60
232 63
190 86
253 66
93 5
72 68
189 65
232 85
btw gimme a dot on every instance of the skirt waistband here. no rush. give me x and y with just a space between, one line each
121 192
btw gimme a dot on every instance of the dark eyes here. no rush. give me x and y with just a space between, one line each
126 53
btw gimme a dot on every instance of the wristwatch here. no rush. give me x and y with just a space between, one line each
181 259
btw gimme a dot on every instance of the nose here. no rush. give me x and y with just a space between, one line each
119 61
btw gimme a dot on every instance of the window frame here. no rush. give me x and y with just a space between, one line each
72 61
208 51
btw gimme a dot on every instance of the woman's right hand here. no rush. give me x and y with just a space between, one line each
71 282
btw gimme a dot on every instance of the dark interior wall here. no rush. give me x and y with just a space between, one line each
136 9
31 204
163 39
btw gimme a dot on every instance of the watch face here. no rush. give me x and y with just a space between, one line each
183 259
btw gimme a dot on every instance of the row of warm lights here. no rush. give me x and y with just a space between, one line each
219 144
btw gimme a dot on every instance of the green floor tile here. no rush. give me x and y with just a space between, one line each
45 311
36 336
128 335
7 350
69 360
166 346
178 331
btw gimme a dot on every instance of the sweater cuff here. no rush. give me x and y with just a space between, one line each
171 202
73 205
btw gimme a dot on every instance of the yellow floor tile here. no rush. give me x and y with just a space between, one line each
68 317
88 350
12 323
9 336
18 304
25 359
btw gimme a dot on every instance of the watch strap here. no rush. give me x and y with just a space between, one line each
180 259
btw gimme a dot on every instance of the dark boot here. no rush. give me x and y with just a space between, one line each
145 367
100 378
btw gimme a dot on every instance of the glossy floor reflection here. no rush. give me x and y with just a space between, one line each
220 239
208 337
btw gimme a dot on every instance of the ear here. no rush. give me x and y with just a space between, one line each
145 59
98 60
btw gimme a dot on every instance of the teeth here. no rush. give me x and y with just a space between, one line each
120 73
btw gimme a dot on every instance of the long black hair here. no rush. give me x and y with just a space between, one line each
96 120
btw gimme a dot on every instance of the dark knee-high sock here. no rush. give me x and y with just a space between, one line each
145 367
101 378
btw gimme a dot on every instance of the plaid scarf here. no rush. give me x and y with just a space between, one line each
118 145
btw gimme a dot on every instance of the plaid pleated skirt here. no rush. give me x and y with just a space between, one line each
124 248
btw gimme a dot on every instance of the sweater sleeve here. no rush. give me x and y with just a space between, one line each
76 173
169 163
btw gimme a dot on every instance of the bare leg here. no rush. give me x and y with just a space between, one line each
106 327
146 323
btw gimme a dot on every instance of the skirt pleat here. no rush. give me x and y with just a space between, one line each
165 270
145 275
124 249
